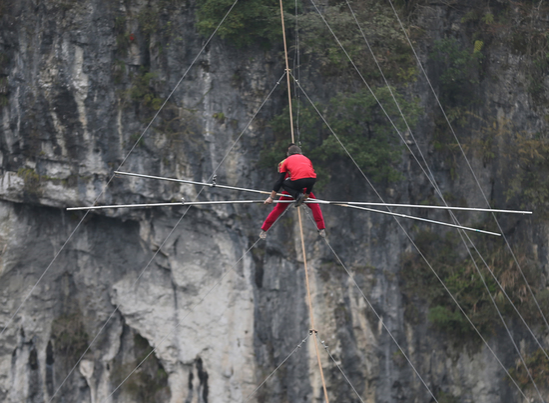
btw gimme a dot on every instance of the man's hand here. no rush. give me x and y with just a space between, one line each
268 200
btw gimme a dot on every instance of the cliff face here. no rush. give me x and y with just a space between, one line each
80 81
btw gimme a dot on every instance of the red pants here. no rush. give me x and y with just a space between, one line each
280 207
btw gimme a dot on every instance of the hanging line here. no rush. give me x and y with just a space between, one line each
180 324
517 349
309 299
178 204
297 69
320 201
310 302
312 201
469 165
117 308
343 373
431 177
351 276
189 312
406 234
112 176
298 347
434 184
376 314
172 231
421 219
287 72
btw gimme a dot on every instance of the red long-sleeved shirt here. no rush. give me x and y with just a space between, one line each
297 166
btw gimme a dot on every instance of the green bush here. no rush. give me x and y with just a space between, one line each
32 182
361 126
70 337
150 382
148 19
448 320
383 32
539 370
459 71
447 398
529 182
143 91
252 21
462 279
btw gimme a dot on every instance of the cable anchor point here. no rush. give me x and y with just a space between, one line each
214 181
313 331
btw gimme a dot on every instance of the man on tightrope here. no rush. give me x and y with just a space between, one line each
297 177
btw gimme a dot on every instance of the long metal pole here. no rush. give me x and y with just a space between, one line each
213 185
420 219
182 203
287 72
487 210
206 203
319 201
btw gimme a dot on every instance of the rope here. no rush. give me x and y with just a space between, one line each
121 164
501 316
469 166
341 370
297 69
287 71
409 238
375 313
309 299
170 233
447 290
429 177
42 275
118 306
180 324
190 310
247 398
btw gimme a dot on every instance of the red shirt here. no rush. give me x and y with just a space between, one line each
298 167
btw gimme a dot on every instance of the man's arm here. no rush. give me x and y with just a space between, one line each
276 188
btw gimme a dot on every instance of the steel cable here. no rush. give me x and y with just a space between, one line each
430 176
190 311
172 231
120 166
248 397
469 165
410 239
343 373
431 179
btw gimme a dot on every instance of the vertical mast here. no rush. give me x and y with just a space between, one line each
314 332
287 72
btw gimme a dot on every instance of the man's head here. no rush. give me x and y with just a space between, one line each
293 149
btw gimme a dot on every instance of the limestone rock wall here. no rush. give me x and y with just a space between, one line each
220 309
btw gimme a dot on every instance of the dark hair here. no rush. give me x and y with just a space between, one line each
293 149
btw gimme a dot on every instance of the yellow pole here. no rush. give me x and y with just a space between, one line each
309 299
310 302
287 72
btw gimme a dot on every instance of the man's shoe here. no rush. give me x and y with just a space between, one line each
322 233
300 199
263 234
